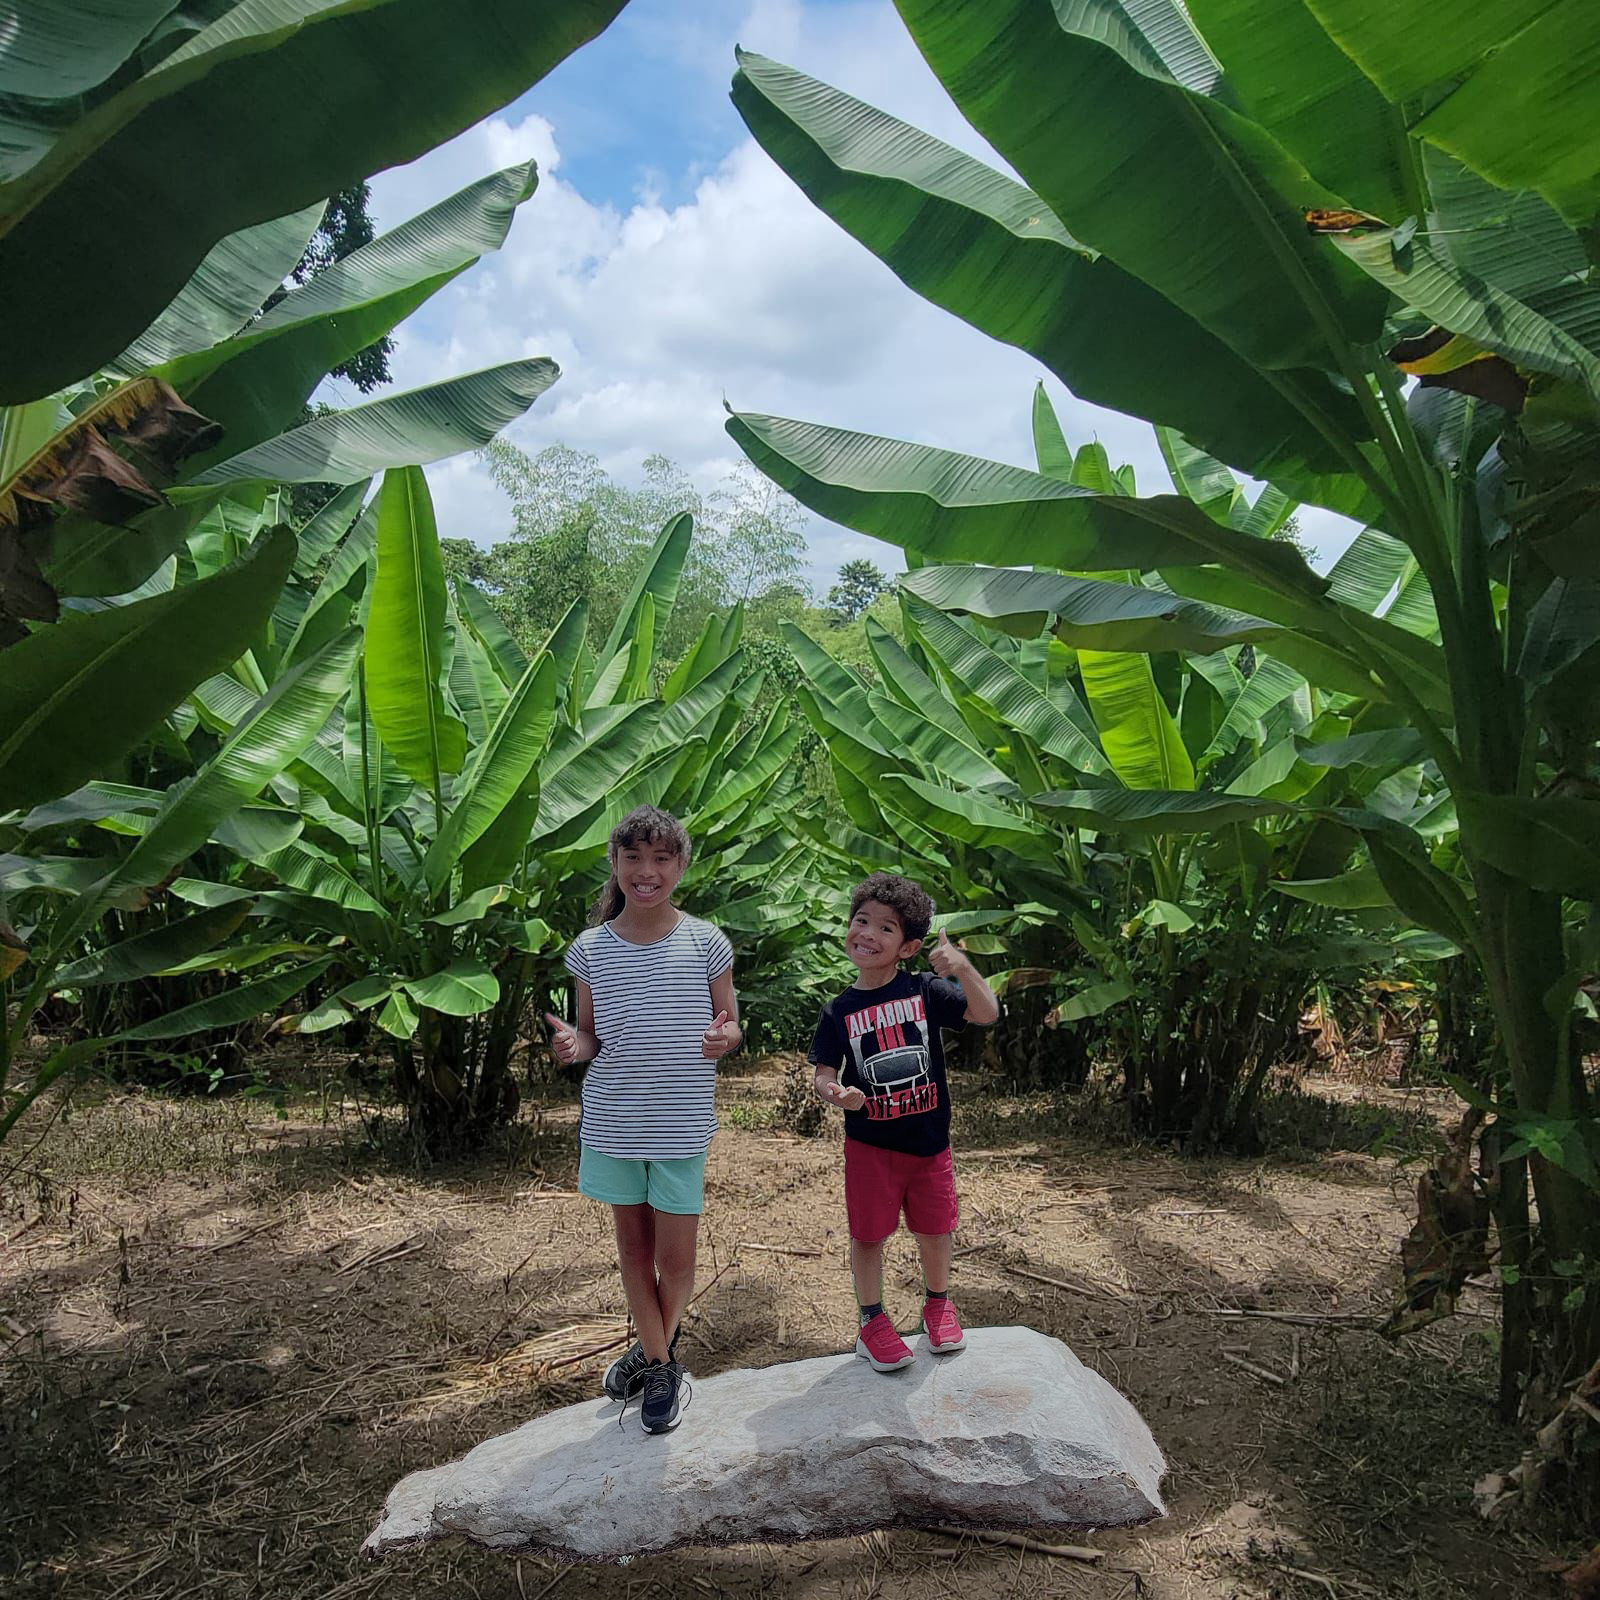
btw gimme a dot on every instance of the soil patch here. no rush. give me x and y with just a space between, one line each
227 1335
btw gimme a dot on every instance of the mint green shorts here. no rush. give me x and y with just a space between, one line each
675 1186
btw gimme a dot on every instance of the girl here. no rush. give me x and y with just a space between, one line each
656 1008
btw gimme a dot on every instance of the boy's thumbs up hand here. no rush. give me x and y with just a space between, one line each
563 1039
945 958
717 1040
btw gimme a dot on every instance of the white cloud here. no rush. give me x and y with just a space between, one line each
746 291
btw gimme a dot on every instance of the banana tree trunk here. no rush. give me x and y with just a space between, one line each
1523 958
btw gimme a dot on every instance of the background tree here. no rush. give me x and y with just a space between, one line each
756 527
860 583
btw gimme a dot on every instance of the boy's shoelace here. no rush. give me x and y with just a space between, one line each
654 1378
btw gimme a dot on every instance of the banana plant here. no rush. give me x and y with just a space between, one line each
1389 312
138 561
1108 767
199 418
411 866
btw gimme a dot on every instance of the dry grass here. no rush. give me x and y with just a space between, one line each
227 1335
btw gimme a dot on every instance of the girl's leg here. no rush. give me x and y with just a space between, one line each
676 1237
936 1249
636 1254
866 1267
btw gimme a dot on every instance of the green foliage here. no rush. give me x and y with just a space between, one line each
1477 484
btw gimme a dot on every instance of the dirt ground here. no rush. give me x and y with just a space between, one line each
226 1334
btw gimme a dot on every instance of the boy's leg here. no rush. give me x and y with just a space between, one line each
931 1215
936 1249
866 1267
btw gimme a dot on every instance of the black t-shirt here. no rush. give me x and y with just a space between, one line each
887 1042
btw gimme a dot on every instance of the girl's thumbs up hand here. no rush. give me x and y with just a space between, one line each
945 958
717 1040
563 1039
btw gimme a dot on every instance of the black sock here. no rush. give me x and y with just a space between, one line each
938 1294
869 1312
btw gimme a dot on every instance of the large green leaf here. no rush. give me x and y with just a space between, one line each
1267 687
1154 811
276 730
76 696
955 814
232 1007
405 634
465 988
988 249
1516 241
1090 612
313 871
329 606
1519 102
480 616
910 733
257 383
1139 734
56 49
952 507
227 289
1360 889
1199 476
905 679
1001 689
1419 888
475 684
500 770
400 430
1288 75
1119 150
657 581
330 524
1552 842
1468 305
75 207
584 764
154 951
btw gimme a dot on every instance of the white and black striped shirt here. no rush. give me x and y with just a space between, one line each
648 1094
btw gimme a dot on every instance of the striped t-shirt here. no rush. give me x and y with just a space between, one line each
648 1095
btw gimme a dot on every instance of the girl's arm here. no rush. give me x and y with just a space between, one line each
724 1035
570 1044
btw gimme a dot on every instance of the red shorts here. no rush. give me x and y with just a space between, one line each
878 1183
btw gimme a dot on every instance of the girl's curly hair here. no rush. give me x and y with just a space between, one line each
642 825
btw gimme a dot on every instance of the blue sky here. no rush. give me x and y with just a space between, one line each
666 263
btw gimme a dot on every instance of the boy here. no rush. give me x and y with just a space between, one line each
884 1032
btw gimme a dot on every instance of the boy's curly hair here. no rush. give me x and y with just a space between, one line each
909 900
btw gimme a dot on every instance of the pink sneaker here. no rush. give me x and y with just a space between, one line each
942 1326
882 1346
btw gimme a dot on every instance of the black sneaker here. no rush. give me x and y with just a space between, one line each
658 1410
626 1373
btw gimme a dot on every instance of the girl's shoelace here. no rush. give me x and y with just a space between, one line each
654 1377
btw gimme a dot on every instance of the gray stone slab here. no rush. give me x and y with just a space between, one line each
1012 1432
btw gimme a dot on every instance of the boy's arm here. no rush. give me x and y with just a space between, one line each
825 1080
827 1052
949 961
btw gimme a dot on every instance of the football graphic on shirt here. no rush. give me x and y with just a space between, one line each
890 1070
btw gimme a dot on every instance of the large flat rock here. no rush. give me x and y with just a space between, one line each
1012 1432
